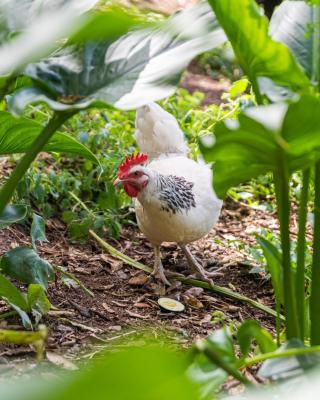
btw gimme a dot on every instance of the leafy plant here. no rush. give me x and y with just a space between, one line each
279 138
25 265
34 302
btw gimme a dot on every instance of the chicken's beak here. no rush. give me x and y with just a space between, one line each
117 182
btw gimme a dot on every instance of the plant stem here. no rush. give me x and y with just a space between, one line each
74 278
7 190
248 362
315 282
283 203
219 361
256 90
301 249
192 282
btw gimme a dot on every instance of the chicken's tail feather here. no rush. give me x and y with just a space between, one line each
158 132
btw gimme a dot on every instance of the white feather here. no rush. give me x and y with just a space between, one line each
158 132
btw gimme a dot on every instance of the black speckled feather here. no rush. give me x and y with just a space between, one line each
176 193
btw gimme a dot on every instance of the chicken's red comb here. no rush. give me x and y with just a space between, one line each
135 159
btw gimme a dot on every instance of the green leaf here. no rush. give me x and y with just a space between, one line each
15 299
142 66
39 28
38 301
80 229
274 266
221 343
259 55
250 330
106 24
25 265
12 214
18 134
9 292
291 24
106 376
248 147
38 229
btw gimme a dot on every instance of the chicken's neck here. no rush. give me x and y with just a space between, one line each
172 193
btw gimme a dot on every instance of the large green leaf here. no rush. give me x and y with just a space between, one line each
18 134
25 265
291 24
30 29
249 146
258 54
12 214
120 375
142 66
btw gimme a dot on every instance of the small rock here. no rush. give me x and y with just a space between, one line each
115 328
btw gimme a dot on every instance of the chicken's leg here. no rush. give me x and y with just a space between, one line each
158 270
195 266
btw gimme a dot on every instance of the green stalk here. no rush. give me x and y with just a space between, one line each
315 283
283 204
7 190
248 362
256 90
301 249
221 363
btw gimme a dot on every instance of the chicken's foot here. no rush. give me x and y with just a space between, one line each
158 270
196 266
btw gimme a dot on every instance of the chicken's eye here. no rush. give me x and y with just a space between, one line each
136 173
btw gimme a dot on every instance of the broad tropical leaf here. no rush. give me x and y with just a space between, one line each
25 265
259 55
12 214
291 24
248 147
39 29
142 66
106 375
18 134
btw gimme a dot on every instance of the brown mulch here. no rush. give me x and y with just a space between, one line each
125 300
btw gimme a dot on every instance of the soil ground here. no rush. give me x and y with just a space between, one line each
126 301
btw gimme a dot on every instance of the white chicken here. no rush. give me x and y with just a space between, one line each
173 195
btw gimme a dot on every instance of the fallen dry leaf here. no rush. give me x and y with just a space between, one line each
138 280
193 302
